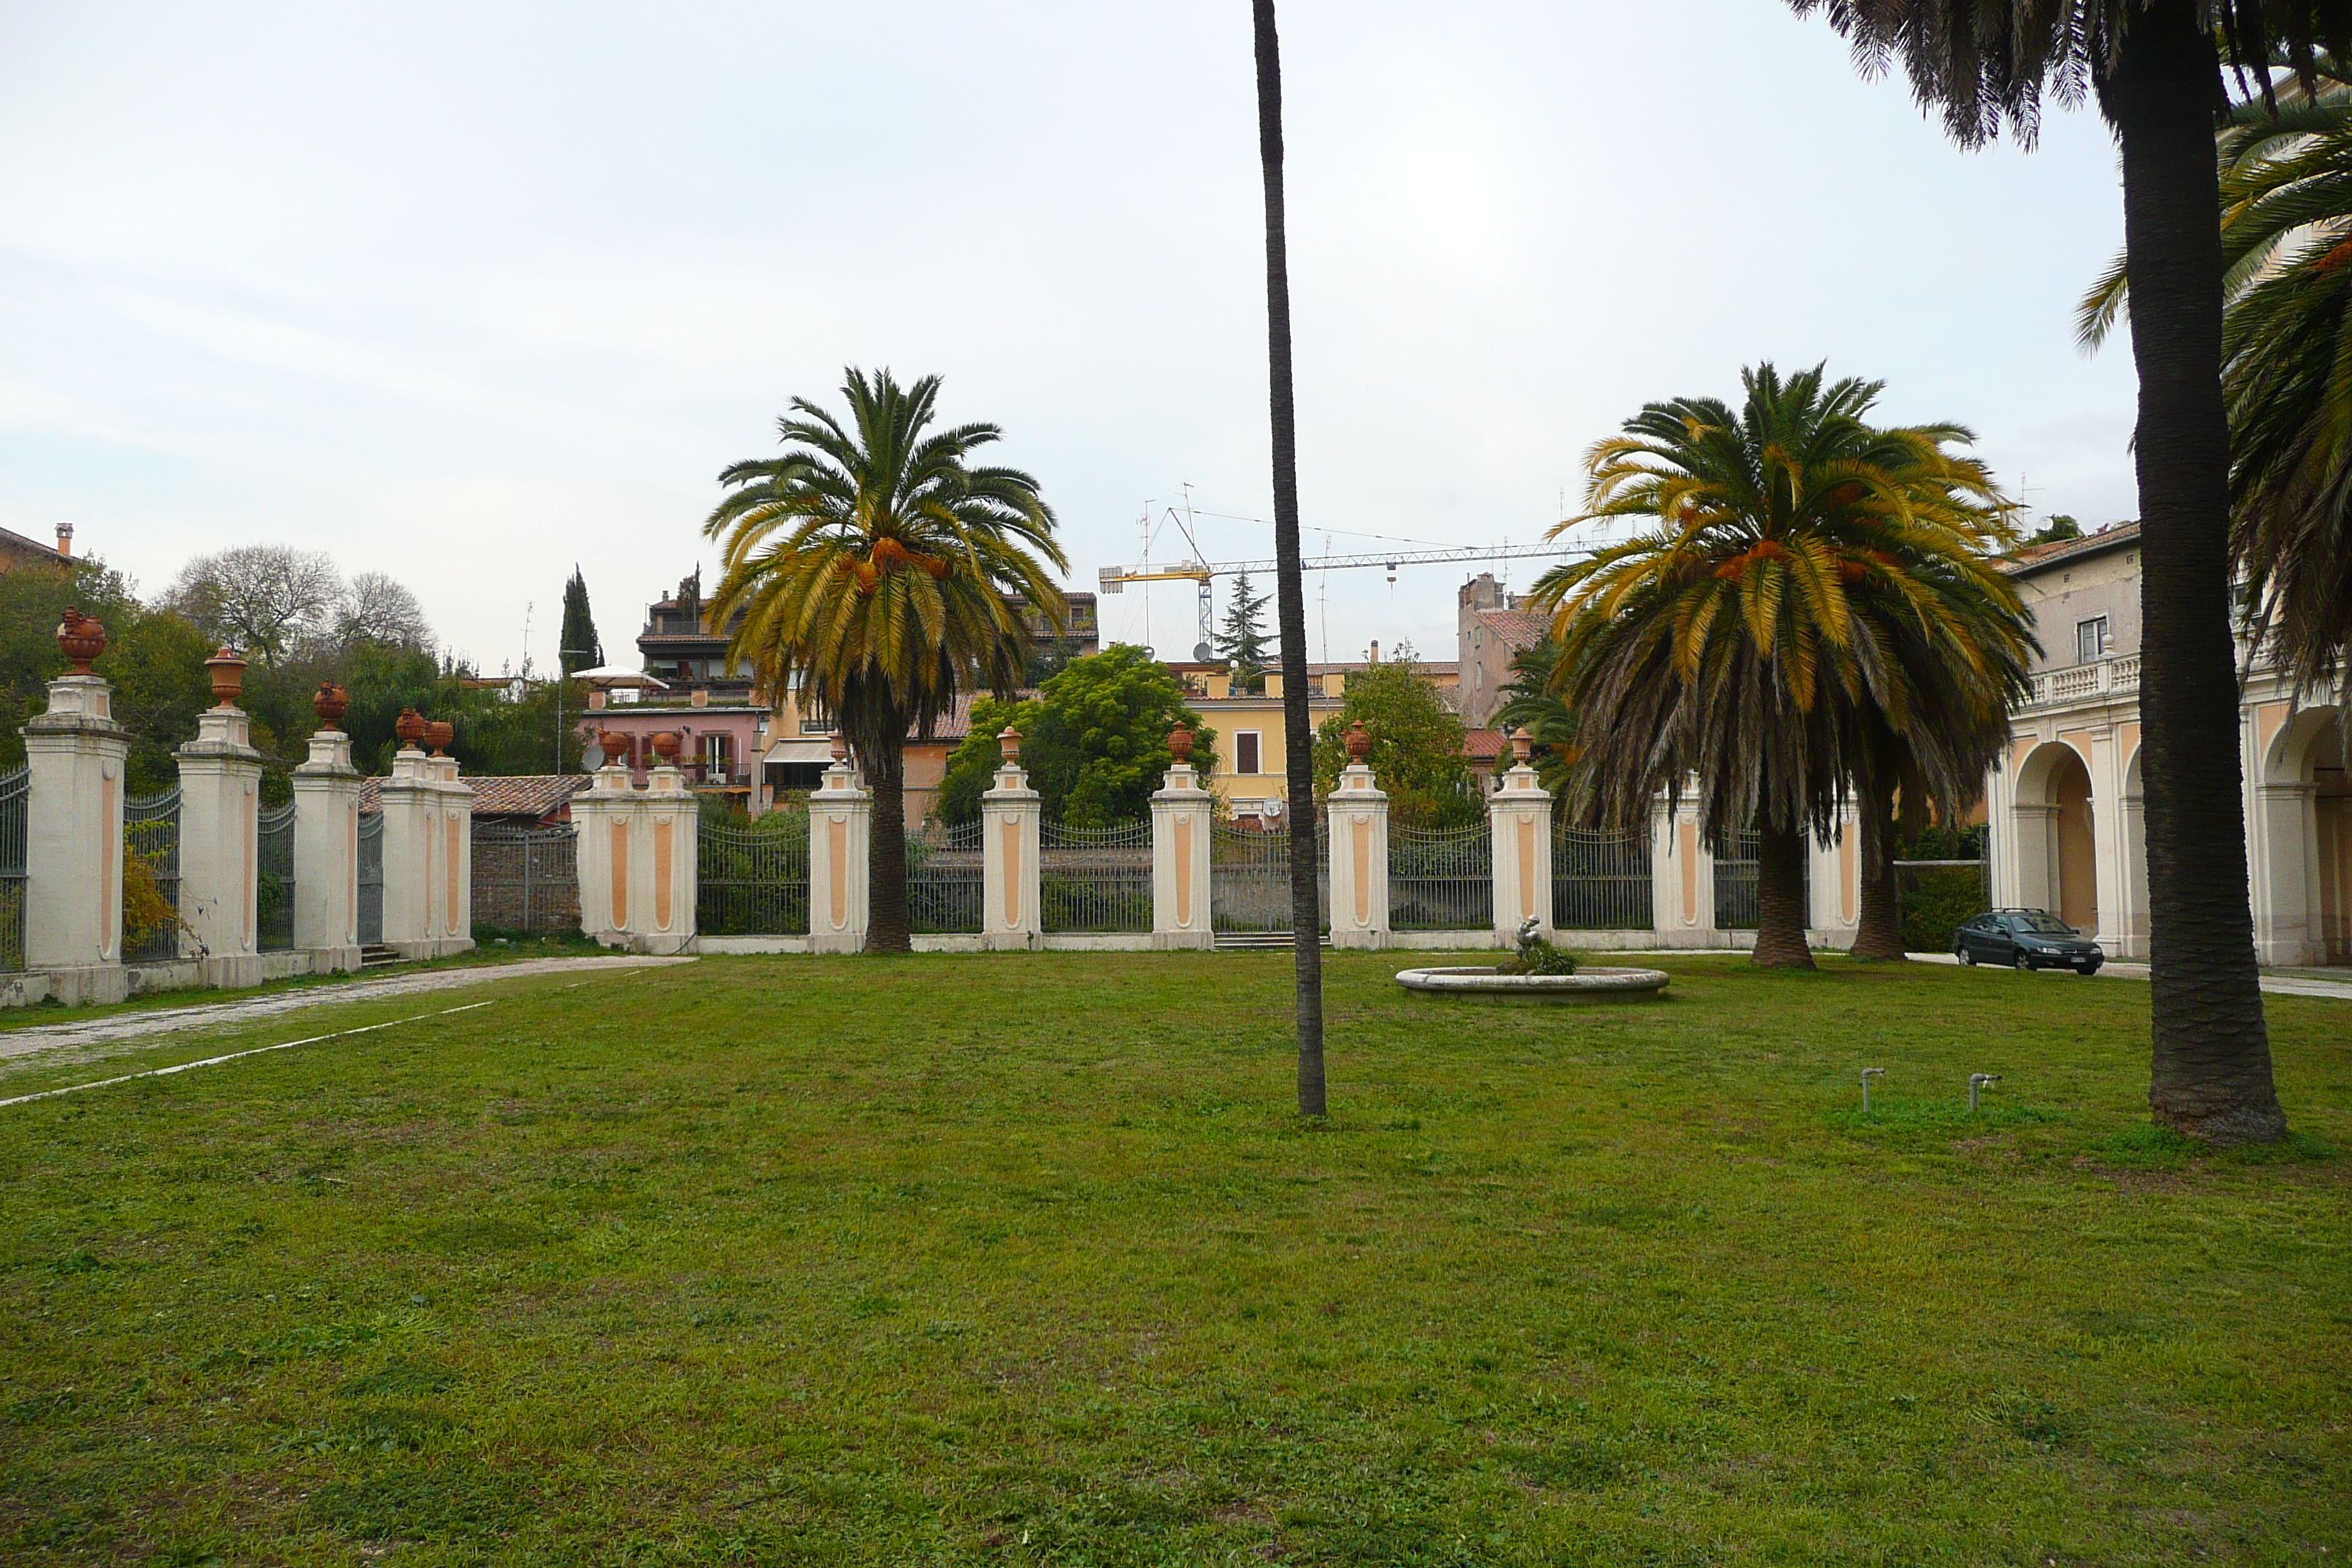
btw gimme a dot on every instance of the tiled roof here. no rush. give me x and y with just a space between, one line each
11 540
1518 630
1484 745
2033 557
523 794
955 724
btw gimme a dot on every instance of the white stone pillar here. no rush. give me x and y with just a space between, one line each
1834 876
220 834
1009 850
2284 833
2131 923
327 844
603 822
663 869
1357 817
1519 817
1182 814
73 839
457 887
841 828
428 849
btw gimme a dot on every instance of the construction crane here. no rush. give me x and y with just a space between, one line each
1115 579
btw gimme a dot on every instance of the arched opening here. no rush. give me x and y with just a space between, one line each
2304 910
2058 859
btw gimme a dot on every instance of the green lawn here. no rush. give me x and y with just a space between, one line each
1023 1259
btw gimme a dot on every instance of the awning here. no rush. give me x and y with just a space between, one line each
816 751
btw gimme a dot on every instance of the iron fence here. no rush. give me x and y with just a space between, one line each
14 784
1249 882
526 876
1442 878
752 875
1735 885
944 877
1095 879
1601 881
151 876
371 883
273 882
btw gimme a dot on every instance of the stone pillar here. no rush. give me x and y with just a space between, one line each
841 828
1181 815
428 847
2284 832
662 875
1519 816
1009 850
73 839
604 818
220 834
455 890
1833 874
1357 817
327 842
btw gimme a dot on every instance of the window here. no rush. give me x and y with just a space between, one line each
2091 639
1245 751
717 751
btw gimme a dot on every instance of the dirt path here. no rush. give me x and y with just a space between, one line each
116 1028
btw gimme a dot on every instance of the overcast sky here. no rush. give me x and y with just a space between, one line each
470 292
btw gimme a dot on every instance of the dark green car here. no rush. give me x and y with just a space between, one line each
2026 939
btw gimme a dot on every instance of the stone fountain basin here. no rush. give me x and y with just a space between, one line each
1484 981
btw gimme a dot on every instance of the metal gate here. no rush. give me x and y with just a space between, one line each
1735 885
752 875
1095 879
370 878
151 876
1442 878
944 877
14 784
1601 881
273 889
526 876
1249 883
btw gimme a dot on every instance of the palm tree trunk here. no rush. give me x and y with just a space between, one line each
1878 927
1290 597
887 926
1780 900
2212 1074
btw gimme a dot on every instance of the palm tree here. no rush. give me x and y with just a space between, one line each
1290 595
1532 702
2155 67
2286 363
878 569
1815 606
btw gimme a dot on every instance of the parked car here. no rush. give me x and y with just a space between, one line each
2026 939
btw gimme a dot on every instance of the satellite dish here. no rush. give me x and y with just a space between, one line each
592 756
1271 811
1203 654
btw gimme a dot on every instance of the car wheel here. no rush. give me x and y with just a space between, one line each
2019 962
2088 970
1966 955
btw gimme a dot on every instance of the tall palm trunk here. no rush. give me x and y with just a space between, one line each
1878 924
887 926
2212 1074
1290 595
1780 900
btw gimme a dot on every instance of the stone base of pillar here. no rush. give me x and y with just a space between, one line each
655 945
1341 937
838 941
89 984
333 960
234 972
433 947
1010 941
1171 941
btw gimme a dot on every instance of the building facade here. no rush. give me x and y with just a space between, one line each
2065 805
1493 624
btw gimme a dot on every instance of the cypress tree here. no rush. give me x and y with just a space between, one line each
579 649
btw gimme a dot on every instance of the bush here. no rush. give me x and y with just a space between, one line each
1941 901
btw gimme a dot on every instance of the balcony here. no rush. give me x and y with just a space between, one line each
2085 683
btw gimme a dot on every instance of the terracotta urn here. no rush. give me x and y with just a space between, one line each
1358 742
666 747
840 748
1523 745
330 704
440 734
615 747
227 675
81 638
410 727
1180 743
1008 744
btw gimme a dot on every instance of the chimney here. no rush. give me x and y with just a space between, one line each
1376 651
64 539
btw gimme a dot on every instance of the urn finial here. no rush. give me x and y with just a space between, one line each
440 734
331 703
410 727
81 638
228 677
1180 743
1008 745
1358 742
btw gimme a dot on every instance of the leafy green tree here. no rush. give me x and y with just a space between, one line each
2154 67
580 649
154 658
1095 741
2059 526
1798 600
876 566
1240 642
1416 754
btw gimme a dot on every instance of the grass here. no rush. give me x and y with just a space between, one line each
1022 1259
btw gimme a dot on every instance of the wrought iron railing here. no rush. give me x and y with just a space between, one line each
944 877
370 878
752 875
1095 879
1734 883
273 889
526 876
15 786
1442 878
151 876
1249 882
1601 881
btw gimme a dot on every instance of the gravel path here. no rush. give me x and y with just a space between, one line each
121 1026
